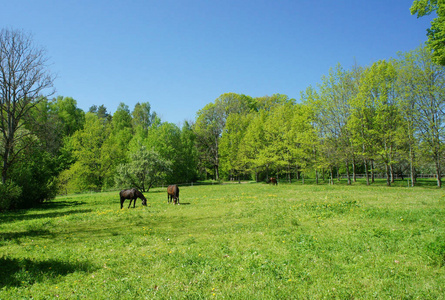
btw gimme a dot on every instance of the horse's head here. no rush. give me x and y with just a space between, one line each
144 201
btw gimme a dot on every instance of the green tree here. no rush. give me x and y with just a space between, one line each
71 117
305 141
252 144
279 139
332 114
88 171
232 163
436 34
210 124
424 91
379 84
361 126
143 118
145 169
116 145
188 154
165 139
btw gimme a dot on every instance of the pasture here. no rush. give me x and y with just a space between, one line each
233 241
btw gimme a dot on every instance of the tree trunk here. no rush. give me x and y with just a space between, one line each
411 166
331 179
388 175
391 170
438 174
366 171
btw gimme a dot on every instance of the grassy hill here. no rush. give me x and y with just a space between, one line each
234 241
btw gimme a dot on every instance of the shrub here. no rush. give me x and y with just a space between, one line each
9 196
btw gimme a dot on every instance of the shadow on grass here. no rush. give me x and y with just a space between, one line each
24 215
60 204
21 272
21 234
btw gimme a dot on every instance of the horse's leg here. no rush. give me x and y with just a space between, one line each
134 202
130 203
122 202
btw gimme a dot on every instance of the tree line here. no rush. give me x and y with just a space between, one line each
386 118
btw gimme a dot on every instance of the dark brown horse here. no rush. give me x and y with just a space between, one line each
173 193
273 180
132 194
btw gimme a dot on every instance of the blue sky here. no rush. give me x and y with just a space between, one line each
181 55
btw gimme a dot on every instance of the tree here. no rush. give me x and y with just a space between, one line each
145 169
142 116
116 145
233 133
280 139
210 124
426 89
188 158
333 112
436 34
90 168
378 87
252 144
24 78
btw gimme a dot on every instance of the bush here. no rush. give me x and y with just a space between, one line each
9 196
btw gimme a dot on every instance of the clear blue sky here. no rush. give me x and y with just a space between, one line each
181 55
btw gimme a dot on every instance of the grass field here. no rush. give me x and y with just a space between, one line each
233 241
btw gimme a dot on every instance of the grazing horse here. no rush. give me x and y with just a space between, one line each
132 194
173 193
273 180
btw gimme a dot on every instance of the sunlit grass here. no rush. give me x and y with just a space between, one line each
230 241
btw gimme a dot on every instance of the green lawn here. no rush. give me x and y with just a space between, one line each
233 241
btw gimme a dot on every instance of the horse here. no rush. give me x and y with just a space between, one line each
132 194
273 180
173 193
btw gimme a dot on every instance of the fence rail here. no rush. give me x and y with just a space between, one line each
396 176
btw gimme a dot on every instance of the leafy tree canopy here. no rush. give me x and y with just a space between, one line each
436 33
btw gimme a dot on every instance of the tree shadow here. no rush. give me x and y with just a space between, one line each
22 215
16 272
61 204
4 236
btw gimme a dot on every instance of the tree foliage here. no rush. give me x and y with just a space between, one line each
436 33
145 169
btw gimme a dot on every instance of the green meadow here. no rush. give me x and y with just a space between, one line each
231 241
